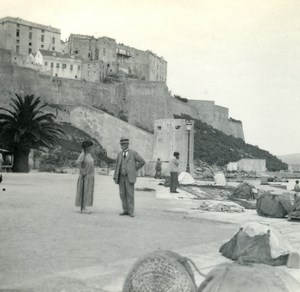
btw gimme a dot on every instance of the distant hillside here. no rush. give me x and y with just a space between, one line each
290 158
214 147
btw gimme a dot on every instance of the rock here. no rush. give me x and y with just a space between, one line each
185 178
248 278
293 260
220 179
245 191
220 206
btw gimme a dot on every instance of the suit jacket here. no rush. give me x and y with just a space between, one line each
133 162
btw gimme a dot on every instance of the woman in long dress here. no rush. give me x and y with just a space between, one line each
85 183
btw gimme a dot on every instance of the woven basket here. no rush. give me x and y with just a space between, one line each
160 271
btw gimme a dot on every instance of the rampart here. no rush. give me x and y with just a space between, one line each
141 102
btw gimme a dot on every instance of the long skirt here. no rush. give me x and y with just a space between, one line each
85 191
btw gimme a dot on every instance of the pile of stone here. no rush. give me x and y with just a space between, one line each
220 206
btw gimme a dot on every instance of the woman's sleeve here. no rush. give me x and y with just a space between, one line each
80 159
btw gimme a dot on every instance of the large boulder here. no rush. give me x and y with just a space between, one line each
245 191
295 211
273 205
257 243
255 277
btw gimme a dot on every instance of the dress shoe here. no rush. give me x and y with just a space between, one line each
123 214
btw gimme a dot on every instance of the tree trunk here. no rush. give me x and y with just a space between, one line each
21 160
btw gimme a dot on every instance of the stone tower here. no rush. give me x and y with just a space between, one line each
171 135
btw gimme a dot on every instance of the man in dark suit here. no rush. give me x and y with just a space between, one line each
127 163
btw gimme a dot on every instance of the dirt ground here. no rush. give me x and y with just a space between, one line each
47 245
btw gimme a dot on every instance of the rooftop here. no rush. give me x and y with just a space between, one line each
59 55
21 21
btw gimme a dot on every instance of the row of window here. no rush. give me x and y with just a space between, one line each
30 36
63 66
30 49
30 28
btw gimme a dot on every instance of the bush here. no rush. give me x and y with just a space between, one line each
215 147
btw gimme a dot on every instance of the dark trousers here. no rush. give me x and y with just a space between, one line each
157 174
173 181
126 194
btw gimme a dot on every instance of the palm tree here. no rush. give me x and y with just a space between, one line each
26 127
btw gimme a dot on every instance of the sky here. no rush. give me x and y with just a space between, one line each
244 55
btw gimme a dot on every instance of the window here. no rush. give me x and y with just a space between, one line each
42 38
29 50
53 48
17 49
18 25
30 28
71 67
18 41
64 66
18 33
75 76
57 65
42 46
43 31
30 35
46 63
30 44
53 40
51 65
78 67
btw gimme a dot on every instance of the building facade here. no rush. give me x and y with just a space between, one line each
248 165
94 71
58 64
119 58
24 37
171 135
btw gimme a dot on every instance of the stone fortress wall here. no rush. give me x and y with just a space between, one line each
142 102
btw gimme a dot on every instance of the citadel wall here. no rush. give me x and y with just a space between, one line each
108 130
141 101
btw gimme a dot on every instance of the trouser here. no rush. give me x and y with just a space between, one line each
126 194
173 181
157 174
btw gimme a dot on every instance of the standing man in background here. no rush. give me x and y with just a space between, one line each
297 189
128 162
173 165
158 169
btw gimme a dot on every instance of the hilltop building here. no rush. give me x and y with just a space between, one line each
135 63
94 71
25 37
58 64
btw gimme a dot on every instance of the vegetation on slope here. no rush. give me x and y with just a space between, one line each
215 147
67 153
